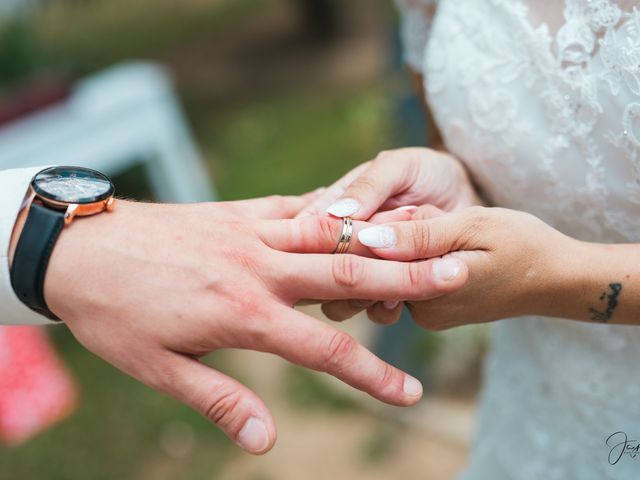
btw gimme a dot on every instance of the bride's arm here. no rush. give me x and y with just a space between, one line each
518 266
601 284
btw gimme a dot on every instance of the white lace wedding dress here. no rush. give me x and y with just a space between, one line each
541 100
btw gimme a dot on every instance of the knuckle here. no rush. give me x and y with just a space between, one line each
419 280
415 276
222 411
279 202
340 349
365 183
384 156
329 228
388 378
421 238
347 271
475 223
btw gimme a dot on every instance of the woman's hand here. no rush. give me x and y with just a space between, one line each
152 288
408 176
518 265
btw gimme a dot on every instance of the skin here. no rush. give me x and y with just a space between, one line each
398 178
153 288
517 264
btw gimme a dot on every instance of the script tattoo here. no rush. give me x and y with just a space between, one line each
605 315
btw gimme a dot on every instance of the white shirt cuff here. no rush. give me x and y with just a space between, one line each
13 187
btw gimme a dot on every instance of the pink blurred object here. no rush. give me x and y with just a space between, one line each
36 390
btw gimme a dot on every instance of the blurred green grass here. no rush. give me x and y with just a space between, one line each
294 143
287 141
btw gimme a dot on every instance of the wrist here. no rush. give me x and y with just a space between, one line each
566 279
549 274
80 256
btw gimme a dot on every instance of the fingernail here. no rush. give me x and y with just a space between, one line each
412 387
320 190
344 208
446 269
391 304
378 237
409 208
254 436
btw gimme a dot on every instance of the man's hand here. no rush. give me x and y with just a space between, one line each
152 288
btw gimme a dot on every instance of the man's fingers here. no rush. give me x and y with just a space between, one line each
341 310
310 234
332 193
222 400
314 344
422 238
342 277
276 206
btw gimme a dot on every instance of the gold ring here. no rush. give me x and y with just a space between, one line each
345 236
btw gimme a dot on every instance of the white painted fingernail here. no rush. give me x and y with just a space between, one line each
344 208
254 436
446 269
409 208
378 237
412 387
391 304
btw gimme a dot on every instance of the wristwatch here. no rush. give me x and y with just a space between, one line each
56 196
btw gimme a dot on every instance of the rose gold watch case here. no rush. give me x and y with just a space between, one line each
73 210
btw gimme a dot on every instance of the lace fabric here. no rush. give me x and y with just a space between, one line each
541 100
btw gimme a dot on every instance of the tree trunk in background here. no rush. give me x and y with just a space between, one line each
321 18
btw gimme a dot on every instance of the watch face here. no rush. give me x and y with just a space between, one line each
72 185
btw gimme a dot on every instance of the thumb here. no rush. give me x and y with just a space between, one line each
234 408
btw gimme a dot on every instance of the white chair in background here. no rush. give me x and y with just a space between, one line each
112 121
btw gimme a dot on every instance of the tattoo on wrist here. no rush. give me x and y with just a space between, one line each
611 299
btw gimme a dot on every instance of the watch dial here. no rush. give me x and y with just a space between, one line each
72 185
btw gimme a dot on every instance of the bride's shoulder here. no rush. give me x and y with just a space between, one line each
418 7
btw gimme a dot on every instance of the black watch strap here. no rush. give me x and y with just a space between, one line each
31 259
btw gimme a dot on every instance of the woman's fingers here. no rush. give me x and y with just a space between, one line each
385 313
391 173
421 239
424 212
343 277
332 193
341 310
400 214
314 344
222 400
